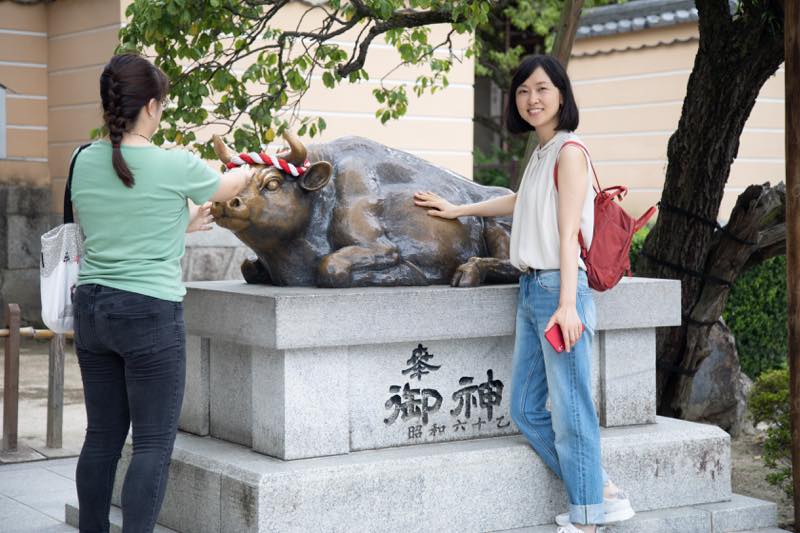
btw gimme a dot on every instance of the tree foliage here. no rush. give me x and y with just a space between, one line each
769 403
215 53
756 314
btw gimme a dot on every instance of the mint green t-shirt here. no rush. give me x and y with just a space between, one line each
135 237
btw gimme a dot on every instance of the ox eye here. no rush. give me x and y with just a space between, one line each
272 185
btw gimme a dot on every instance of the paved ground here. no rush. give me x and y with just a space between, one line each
32 494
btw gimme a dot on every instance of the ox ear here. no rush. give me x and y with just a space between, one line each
221 149
317 176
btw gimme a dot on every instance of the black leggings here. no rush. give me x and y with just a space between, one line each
132 354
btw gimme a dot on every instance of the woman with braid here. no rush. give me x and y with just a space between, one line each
134 201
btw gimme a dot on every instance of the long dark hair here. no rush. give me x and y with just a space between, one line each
128 83
567 115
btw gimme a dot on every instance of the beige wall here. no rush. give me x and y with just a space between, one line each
630 89
50 59
82 35
23 69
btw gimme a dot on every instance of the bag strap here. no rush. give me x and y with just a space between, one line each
642 220
588 157
581 243
69 218
617 191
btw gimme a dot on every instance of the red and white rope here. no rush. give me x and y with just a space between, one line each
260 158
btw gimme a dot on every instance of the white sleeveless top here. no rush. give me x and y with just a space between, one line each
534 230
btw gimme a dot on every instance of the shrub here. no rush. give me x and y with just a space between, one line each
769 402
636 245
756 315
492 168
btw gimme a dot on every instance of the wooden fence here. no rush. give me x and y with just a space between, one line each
13 332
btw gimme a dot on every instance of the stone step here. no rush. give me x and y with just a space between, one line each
728 517
740 514
477 485
71 518
766 530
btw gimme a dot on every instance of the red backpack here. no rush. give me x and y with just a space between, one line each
609 257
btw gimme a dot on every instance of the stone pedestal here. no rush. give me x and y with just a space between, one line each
386 409
301 372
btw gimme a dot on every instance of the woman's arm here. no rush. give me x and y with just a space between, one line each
572 170
496 207
232 182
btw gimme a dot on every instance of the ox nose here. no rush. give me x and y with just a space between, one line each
235 203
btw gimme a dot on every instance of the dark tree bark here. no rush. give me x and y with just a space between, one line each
737 53
756 229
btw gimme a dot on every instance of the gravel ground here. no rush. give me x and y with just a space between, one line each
749 473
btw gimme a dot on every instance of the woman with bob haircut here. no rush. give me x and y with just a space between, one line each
135 201
553 292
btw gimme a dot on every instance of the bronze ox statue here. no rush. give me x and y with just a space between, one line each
350 221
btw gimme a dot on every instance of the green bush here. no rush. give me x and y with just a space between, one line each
499 176
636 245
756 314
769 402
494 168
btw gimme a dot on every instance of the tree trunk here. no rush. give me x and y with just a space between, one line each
736 55
756 227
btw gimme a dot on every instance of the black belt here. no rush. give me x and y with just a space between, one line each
537 270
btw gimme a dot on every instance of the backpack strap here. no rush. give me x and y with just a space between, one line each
588 158
69 218
642 220
584 251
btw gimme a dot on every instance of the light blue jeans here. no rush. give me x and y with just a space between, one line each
567 437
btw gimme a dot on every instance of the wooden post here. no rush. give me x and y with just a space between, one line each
11 379
562 49
792 84
55 392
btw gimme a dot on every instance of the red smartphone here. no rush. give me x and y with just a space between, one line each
556 338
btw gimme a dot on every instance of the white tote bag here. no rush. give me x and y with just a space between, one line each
62 248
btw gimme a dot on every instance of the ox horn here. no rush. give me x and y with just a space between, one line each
297 154
223 152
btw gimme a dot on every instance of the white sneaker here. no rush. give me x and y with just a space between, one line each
569 528
616 509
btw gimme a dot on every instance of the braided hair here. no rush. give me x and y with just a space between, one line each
127 84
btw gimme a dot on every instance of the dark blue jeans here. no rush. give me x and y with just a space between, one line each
132 354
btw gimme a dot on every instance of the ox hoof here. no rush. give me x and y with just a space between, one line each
334 273
467 275
254 272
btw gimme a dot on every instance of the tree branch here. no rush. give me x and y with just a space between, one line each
405 19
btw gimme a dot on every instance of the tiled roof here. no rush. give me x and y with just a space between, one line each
635 15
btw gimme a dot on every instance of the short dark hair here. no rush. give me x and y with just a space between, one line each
567 116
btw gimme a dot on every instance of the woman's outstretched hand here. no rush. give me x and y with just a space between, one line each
439 207
200 217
